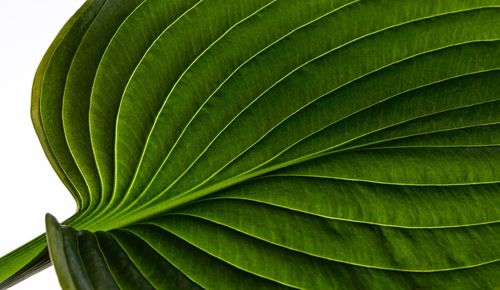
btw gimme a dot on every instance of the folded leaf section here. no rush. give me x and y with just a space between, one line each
143 257
48 90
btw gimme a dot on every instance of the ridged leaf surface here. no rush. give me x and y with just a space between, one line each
258 144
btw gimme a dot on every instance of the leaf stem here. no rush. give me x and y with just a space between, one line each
24 262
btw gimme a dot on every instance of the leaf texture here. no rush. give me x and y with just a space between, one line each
347 144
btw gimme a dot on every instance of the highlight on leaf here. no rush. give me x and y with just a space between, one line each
262 144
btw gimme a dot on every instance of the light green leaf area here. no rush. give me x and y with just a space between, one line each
261 144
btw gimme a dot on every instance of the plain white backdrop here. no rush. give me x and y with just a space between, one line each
29 188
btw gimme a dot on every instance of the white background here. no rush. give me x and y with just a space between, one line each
29 188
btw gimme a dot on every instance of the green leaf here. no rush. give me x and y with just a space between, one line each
259 144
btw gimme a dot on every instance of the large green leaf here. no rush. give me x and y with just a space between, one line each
254 144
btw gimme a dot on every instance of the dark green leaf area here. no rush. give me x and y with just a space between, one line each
140 257
239 45
393 205
261 144
301 270
267 249
79 84
115 66
47 103
275 106
369 245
